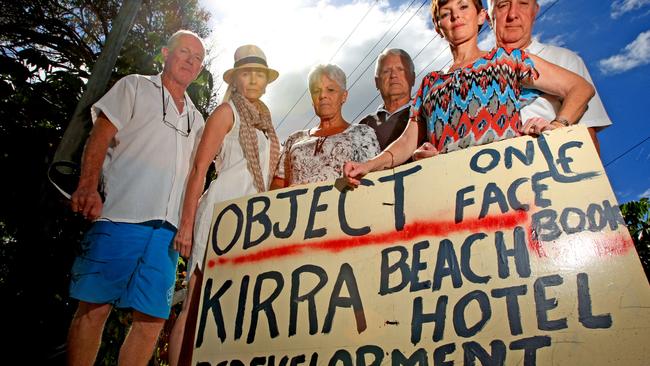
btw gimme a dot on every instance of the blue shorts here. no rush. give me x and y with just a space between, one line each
127 265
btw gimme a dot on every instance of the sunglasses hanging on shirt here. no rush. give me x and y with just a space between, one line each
172 125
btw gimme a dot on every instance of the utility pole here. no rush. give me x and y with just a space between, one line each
75 134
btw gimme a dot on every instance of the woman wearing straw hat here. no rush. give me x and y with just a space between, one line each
240 134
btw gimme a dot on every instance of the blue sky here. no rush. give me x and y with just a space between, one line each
599 31
613 38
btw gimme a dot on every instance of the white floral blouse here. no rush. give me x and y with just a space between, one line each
309 159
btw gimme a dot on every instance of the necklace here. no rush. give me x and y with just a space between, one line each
320 142
318 149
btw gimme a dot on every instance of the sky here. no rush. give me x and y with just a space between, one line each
612 37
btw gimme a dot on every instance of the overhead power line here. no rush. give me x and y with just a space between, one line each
381 38
539 16
373 47
331 58
628 151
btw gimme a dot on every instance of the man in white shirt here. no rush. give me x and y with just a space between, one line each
144 133
512 22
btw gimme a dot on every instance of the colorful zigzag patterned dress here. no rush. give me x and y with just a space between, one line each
474 105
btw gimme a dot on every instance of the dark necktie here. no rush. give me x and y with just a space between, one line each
381 117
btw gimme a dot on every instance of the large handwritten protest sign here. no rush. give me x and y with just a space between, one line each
509 253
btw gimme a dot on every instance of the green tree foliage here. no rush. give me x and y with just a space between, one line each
637 219
47 52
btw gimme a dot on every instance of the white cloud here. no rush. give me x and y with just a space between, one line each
556 41
296 35
633 55
620 7
645 194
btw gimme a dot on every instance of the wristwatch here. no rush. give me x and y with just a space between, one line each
561 120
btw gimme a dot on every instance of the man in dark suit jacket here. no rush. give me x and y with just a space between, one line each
394 78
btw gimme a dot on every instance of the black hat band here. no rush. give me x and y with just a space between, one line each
251 60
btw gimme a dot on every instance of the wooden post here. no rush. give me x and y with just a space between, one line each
79 126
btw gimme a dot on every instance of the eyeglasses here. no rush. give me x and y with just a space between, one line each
172 125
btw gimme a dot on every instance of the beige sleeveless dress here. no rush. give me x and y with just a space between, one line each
233 181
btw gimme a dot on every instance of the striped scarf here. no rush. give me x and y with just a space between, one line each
255 115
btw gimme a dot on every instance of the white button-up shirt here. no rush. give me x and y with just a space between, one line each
147 164
546 106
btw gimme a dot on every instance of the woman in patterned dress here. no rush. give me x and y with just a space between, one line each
318 154
476 101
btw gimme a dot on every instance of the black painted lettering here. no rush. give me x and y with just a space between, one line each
514 202
418 357
512 305
493 194
387 270
417 266
466 256
398 193
212 304
345 277
474 351
565 217
343 222
530 346
596 218
543 305
539 189
545 225
237 232
519 252
241 306
293 213
440 355
460 324
446 265
493 156
375 351
314 359
258 361
309 297
283 361
555 174
266 305
613 213
462 202
419 318
585 312
563 160
526 158
261 217
310 232
297 360
342 356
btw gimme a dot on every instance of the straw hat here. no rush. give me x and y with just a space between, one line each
249 56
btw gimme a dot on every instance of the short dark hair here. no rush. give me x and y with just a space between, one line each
437 4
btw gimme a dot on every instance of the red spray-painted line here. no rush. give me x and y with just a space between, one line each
533 242
411 231
614 244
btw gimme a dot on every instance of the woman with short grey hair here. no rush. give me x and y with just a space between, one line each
317 154
331 71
